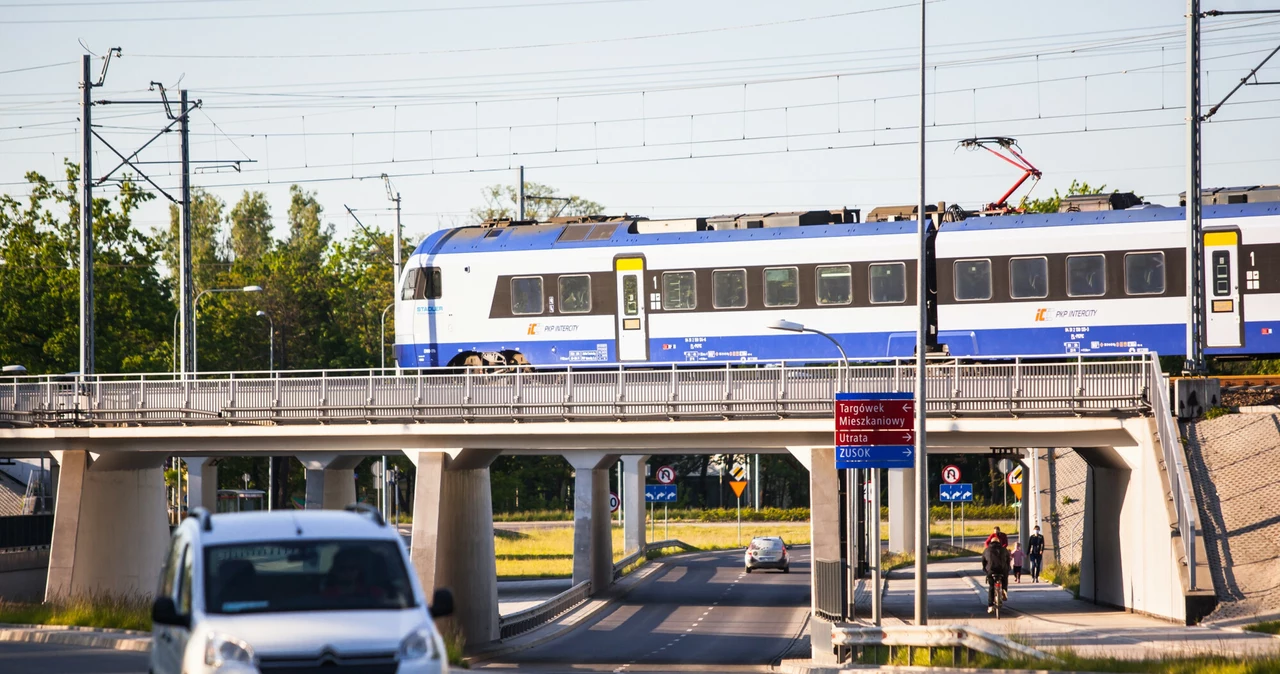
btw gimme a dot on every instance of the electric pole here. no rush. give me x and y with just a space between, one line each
86 218
1195 240
395 239
185 308
520 196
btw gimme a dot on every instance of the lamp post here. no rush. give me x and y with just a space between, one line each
853 482
196 309
382 335
271 340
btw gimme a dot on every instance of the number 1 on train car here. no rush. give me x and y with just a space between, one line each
633 325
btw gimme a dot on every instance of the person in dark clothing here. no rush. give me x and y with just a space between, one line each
995 562
1035 554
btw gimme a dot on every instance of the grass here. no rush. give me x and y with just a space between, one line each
891 561
548 553
1066 576
1199 664
1269 627
942 530
130 612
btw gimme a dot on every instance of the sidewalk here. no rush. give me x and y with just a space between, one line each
1048 617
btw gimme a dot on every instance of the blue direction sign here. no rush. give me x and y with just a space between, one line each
955 493
660 493
875 430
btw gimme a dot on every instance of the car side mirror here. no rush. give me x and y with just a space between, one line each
165 612
441 603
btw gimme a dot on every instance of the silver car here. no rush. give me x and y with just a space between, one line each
767 552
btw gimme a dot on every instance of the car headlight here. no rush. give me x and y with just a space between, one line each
418 644
220 649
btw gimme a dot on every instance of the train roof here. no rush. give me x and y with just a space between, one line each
620 233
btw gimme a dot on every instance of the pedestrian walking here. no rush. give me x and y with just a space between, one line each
1018 557
1035 554
997 535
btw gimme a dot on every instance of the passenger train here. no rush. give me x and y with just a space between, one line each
631 290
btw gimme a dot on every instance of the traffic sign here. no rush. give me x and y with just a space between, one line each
1014 478
614 502
955 493
951 473
660 493
875 430
1005 465
739 472
666 475
738 486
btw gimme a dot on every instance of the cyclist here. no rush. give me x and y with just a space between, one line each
997 535
995 563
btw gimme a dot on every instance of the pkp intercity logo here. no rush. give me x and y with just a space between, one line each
533 329
1040 318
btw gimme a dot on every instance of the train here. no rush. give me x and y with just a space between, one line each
1107 276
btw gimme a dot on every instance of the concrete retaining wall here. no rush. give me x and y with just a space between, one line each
23 574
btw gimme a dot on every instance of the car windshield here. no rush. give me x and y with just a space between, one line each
766 543
278 576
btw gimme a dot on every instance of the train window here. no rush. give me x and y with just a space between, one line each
781 287
1086 275
431 275
730 288
575 294
631 295
888 283
1221 273
973 280
1144 273
526 295
678 291
835 284
410 289
1028 277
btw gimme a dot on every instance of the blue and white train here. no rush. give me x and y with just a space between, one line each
706 290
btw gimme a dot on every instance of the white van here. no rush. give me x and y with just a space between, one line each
297 591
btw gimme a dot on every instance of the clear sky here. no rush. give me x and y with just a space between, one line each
782 105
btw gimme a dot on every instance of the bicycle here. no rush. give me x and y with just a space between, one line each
1001 595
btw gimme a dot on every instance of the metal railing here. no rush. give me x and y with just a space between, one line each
1175 468
930 638
1011 386
623 566
26 531
829 589
533 617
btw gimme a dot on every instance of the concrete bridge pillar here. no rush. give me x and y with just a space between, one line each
824 530
902 510
202 483
453 536
331 480
110 528
1025 505
592 533
633 505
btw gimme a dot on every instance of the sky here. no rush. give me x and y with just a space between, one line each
652 107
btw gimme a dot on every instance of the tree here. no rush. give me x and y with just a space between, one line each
250 227
208 257
1051 204
501 202
39 282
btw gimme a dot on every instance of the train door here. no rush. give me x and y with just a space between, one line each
1223 311
633 324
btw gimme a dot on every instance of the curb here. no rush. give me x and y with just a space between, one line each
799 667
87 637
574 618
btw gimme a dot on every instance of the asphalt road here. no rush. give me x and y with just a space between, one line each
700 612
59 659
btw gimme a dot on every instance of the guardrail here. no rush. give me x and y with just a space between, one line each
830 588
957 639
1012 386
533 617
1175 468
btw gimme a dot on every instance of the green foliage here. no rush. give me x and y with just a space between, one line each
674 514
1068 577
1269 627
1051 204
500 202
1067 660
973 512
103 610
1217 411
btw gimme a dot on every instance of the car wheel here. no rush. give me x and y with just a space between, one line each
786 569
748 569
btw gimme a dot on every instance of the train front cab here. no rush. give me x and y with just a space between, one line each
1224 309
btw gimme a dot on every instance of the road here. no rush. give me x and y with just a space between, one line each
59 659
700 612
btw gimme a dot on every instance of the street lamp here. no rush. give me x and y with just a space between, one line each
271 340
13 369
382 332
790 326
196 315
